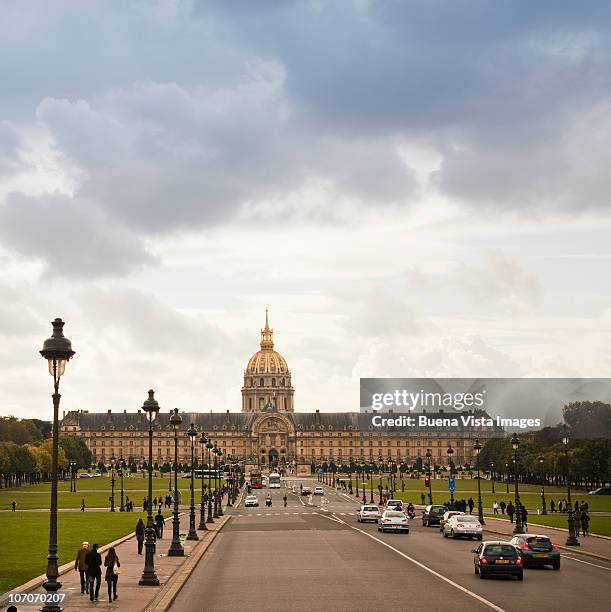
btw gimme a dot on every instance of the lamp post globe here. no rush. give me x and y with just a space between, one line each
515 445
192 535
202 505
571 518
477 447
57 350
149 576
176 548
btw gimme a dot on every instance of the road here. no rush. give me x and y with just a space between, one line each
317 557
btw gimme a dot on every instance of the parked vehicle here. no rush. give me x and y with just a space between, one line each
601 491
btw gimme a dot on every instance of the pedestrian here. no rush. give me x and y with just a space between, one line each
577 507
560 507
14 505
159 524
83 504
160 506
471 504
510 510
140 530
112 573
154 502
585 522
525 518
422 498
93 560
144 504
81 567
495 507
552 506
503 505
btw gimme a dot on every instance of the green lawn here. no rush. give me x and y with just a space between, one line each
28 532
95 492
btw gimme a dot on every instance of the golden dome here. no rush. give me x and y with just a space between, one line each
267 360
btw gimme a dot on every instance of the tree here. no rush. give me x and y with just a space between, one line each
76 450
588 419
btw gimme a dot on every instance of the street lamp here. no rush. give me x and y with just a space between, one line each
149 577
176 549
209 447
541 459
363 467
57 350
428 456
122 466
202 504
219 495
493 476
507 477
72 476
112 483
192 535
572 538
450 452
477 447
515 445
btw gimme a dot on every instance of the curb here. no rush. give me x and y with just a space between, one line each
592 535
168 592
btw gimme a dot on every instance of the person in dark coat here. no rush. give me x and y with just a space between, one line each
93 560
525 518
112 576
471 504
81 567
584 518
552 506
159 524
140 531
503 505
510 511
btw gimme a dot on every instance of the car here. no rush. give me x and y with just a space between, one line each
432 515
446 516
251 501
306 491
601 491
393 520
85 475
463 525
397 504
319 491
497 558
368 513
537 550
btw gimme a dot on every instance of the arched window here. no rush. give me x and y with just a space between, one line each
273 382
261 384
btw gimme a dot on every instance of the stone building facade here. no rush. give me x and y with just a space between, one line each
268 431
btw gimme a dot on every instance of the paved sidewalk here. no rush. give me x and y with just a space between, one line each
131 596
592 545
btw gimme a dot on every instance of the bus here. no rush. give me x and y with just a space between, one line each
256 479
274 480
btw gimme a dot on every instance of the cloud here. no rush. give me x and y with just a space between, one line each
71 236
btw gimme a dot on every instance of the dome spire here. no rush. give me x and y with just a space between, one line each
267 334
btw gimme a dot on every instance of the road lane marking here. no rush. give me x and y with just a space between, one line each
587 563
421 565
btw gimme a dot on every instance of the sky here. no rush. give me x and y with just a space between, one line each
415 188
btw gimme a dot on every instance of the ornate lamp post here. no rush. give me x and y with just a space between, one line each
202 505
507 477
477 447
356 480
363 468
176 549
149 577
515 445
450 452
572 538
493 476
209 447
428 456
192 535
72 476
122 466
112 483
219 495
57 350
541 459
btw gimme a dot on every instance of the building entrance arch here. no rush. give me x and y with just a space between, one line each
273 458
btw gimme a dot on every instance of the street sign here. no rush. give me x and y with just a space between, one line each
451 484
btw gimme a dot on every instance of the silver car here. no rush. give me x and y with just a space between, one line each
463 526
368 513
446 516
393 520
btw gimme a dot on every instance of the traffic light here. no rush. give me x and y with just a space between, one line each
427 480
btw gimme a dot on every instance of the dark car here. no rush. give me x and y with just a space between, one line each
432 515
537 550
497 558
601 491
